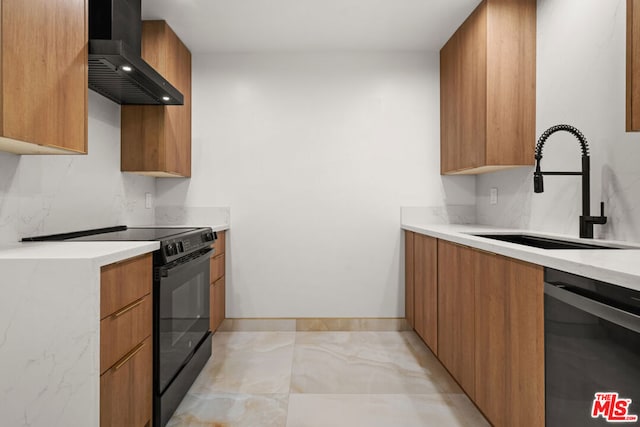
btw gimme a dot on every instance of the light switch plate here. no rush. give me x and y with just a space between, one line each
493 196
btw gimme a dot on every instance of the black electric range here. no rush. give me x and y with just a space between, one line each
181 335
175 242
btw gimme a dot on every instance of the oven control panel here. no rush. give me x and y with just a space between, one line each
185 244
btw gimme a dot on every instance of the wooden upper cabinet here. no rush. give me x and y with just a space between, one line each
633 66
43 77
156 139
487 89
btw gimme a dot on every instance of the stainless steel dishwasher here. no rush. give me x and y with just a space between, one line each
592 352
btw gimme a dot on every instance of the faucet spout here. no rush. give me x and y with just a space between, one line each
586 220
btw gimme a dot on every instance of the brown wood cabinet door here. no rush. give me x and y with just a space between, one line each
525 387
125 390
450 87
409 278
218 311
491 303
456 308
44 78
511 82
633 66
509 341
473 90
463 88
426 289
178 117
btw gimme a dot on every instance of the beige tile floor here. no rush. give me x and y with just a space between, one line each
322 379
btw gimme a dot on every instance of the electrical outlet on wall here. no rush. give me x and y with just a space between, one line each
148 200
493 196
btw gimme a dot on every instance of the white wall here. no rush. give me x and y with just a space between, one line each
315 154
581 81
50 194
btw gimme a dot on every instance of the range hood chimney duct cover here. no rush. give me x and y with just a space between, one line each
116 68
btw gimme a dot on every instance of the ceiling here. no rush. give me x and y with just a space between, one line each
310 25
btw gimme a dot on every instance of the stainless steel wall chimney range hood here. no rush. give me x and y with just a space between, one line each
116 68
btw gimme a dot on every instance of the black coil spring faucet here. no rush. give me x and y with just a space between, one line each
586 220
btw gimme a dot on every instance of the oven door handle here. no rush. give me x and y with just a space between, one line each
604 311
168 272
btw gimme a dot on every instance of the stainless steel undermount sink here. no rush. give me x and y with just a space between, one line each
544 242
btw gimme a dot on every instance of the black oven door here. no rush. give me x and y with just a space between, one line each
182 313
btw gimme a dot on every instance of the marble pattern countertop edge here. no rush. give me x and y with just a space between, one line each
619 267
101 253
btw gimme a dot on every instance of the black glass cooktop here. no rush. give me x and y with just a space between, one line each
119 233
134 234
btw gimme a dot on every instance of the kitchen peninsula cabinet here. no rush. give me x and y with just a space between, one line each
487 89
217 289
44 78
156 139
125 343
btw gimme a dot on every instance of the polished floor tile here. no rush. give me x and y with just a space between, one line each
366 363
248 362
231 410
382 410
309 379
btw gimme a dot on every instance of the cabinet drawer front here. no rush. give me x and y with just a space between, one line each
122 331
217 268
123 283
219 245
125 390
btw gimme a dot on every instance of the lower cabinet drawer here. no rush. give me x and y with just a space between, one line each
123 330
217 267
126 391
219 245
124 282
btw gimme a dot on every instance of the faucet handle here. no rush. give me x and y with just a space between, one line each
602 209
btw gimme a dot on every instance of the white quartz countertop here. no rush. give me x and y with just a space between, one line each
102 253
215 227
617 266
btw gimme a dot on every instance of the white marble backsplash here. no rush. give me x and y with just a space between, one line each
581 82
449 214
51 194
192 215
